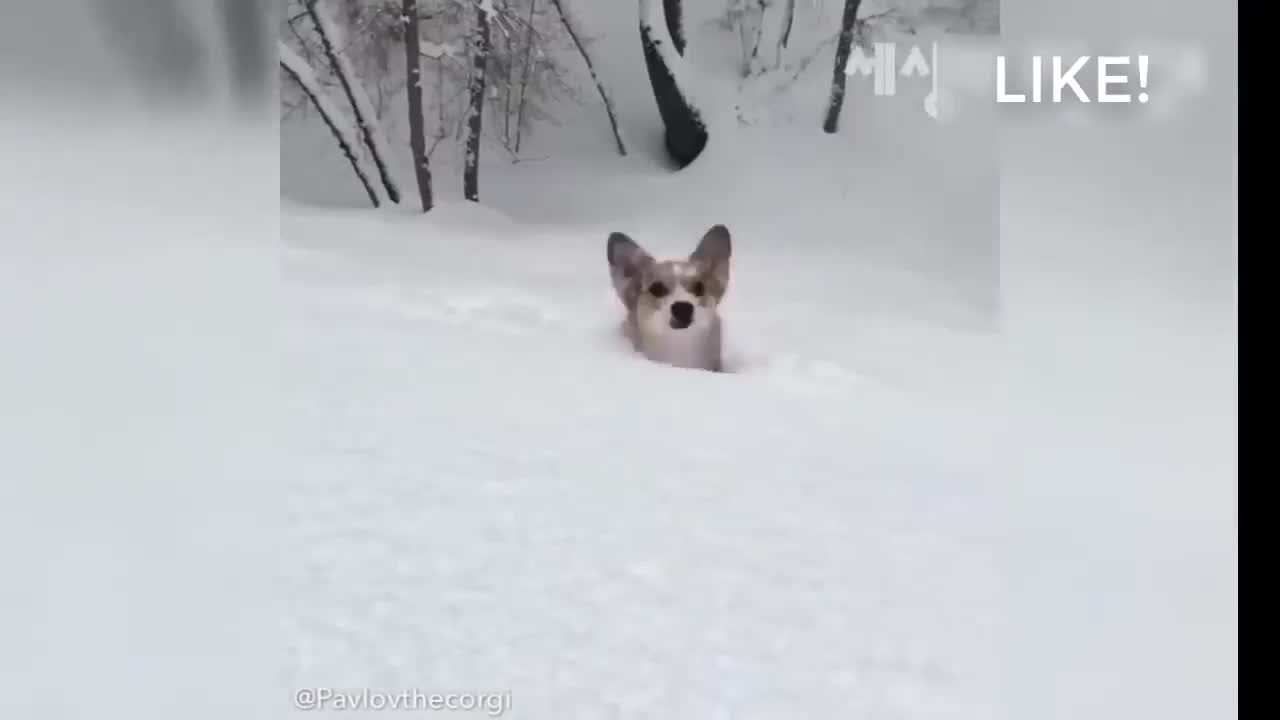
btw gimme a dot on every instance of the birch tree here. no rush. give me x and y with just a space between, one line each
479 45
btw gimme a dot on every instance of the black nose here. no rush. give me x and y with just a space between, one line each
682 311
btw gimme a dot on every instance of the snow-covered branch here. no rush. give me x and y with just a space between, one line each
333 39
302 74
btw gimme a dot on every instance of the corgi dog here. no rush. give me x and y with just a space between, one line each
673 305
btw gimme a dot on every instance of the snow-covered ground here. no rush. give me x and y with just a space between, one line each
499 495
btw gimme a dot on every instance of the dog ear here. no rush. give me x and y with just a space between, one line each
626 261
713 253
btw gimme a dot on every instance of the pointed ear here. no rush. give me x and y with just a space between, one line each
713 253
626 261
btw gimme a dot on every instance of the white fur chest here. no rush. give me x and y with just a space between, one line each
693 347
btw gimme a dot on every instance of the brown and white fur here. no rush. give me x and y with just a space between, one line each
673 305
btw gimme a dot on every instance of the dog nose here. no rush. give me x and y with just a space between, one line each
682 311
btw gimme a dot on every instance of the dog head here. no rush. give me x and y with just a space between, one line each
671 296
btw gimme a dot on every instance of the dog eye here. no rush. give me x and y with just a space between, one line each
657 289
698 288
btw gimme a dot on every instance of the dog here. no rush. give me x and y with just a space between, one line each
673 305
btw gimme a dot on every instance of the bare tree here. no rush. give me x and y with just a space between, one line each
302 74
479 62
843 47
525 74
332 40
575 33
413 74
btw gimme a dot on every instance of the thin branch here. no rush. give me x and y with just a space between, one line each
813 54
571 27
524 81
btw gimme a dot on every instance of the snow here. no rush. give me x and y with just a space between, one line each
136 477
490 469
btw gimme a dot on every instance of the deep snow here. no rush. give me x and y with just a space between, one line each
498 494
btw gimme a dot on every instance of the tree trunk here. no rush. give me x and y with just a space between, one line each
331 38
575 34
673 11
686 133
480 61
508 90
413 75
839 75
302 74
